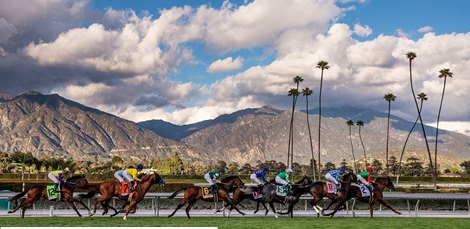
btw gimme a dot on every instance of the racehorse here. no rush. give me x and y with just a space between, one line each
268 192
142 188
379 185
195 193
39 192
110 188
319 190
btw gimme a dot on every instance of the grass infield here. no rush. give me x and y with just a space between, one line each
239 222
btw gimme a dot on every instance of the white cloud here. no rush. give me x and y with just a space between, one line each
361 30
3 53
462 127
402 33
425 29
225 65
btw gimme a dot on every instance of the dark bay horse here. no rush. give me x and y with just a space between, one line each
111 188
39 192
195 193
379 185
319 190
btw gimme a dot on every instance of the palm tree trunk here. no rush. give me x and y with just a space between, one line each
363 148
406 142
422 126
290 133
437 130
352 149
388 133
319 126
311 144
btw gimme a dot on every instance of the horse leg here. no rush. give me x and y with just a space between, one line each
265 208
129 208
72 204
106 205
83 204
233 206
178 207
271 204
18 206
190 205
371 209
381 201
257 207
26 205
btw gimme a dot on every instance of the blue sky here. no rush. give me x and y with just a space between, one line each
188 61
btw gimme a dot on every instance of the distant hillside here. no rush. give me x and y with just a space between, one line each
262 134
50 125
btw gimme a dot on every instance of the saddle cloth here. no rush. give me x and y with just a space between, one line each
365 192
331 187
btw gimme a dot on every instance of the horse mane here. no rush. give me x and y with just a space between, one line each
74 178
229 178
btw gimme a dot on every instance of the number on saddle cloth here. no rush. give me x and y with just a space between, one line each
51 194
257 194
331 187
281 190
125 188
365 191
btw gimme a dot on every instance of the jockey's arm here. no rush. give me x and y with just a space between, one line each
60 177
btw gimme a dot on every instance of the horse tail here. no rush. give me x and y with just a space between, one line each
92 188
176 193
19 195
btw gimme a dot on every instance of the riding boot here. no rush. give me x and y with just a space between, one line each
56 187
131 188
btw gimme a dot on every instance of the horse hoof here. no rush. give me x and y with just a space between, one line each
125 218
277 217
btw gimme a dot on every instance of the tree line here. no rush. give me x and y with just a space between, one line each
175 165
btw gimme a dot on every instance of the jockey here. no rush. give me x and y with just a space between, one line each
214 176
130 174
261 174
365 177
58 177
283 177
334 176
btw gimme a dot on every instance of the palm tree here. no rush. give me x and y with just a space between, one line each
297 80
321 65
350 124
389 98
422 97
294 92
360 124
411 56
307 92
443 73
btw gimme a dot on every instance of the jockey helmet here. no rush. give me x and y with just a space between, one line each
221 170
341 169
140 167
265 169
370 169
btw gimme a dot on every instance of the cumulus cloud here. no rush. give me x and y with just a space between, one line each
225 65
425 29
361 30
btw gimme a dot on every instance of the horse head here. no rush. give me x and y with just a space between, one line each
304 181
233 182
153 178
386 182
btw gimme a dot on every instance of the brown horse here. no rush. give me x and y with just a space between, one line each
195 193
379 185
39 192
110 188
319 190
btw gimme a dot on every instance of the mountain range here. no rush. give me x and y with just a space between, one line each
52 126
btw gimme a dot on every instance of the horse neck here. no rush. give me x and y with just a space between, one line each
381 184
145 186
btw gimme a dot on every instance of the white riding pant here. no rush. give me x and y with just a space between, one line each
119 175
127 176
331 178
207 177
53 178
280 181
362 180
255 179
